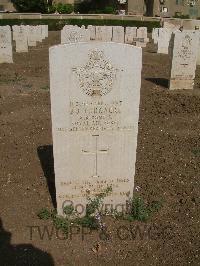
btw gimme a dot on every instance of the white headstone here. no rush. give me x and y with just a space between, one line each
92 31
46 31
184 60
131 33
74 34
198 55
95 96
32 38
155 35
141 40
118 34
104 33
99 33
6 55
43 27
171 26
163 40
20 35
142 33
39 33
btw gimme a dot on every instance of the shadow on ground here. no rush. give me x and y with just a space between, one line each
45 154
159 81
22 254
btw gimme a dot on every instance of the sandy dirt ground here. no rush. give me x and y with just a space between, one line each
167 170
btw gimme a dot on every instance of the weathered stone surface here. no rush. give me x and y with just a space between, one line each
131 32
198 54
142 33
95 95
104 33
118 34
92 30
155 35
38 33
184 60
44 31
20 35
6 55
73 34
171 26
32 38
164 37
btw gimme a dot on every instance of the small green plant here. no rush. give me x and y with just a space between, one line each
87 221
140 211
196 152
17 77
44 214
61 223
92 218
46 87
28 86
180 15
155 206
68 210
95 203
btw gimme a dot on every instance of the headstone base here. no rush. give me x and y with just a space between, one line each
177 84
163 51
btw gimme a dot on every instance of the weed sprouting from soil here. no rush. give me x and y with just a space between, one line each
137 210
92 218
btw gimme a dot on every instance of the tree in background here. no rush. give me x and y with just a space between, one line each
96 6
31 5
149 7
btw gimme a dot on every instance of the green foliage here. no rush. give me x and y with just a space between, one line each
68 210
179 15
52 9
82 7
155 206
95 203
196 152
57 24
71 217
87 221
44 214
61 223
140 211
64 8
30 5
109 10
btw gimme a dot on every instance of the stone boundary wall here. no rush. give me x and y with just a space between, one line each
75 16
186 23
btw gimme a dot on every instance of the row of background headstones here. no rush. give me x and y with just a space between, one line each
29 35
24 36
183 47
119 34
162 37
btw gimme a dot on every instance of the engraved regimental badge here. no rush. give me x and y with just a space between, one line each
97 76
74 36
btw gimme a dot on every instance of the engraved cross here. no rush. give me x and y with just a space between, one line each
96 152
